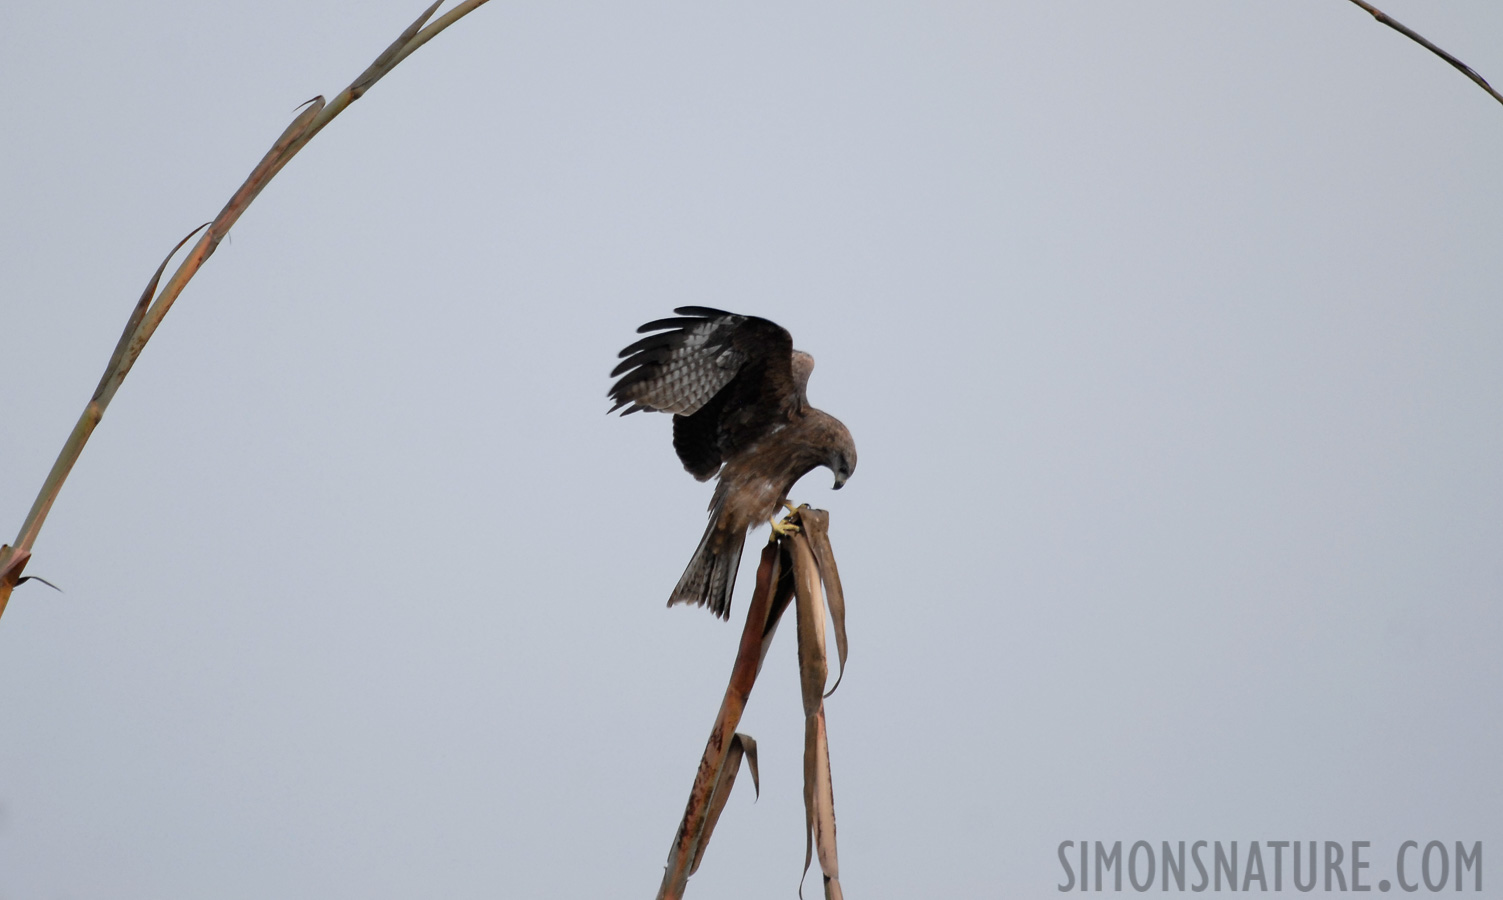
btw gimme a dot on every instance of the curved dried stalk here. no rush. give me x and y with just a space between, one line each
1410 33
814 670
816 523
693 831
742 746
149 312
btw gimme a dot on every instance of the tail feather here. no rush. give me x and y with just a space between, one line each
711 575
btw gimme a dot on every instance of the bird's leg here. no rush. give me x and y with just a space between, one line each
787 526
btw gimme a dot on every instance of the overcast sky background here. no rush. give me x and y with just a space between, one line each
1170 334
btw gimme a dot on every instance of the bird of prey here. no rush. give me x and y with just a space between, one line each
736 389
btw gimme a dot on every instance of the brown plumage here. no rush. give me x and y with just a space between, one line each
736 389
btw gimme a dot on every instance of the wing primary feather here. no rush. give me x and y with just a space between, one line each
652 341
686 362
660 324
646 358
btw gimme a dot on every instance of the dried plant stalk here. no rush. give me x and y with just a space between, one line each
1415 36
819 796
822 799
816 524
149 312
800 565
689 842
742 745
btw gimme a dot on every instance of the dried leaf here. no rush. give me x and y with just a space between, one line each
282 149
782 596
388 57
811 748
813 669
749 744
819 805
816 524
741 745
12 563
25 578
832 889
824 801
137 315
813 566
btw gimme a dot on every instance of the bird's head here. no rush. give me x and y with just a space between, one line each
842 456
842 468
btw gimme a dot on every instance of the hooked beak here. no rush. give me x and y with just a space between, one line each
839 482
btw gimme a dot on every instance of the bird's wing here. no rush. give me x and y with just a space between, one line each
725 377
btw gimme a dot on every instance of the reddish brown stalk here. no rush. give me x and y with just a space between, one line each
687 846
797 565
742 747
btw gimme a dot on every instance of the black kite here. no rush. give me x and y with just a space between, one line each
736 389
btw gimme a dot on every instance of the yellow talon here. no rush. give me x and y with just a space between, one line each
783 528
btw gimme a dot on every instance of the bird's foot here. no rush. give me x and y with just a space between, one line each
783 528
790 506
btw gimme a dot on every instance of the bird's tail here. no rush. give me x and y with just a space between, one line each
711 575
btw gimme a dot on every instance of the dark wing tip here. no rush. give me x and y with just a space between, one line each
661 340
705 312
660 324
644 358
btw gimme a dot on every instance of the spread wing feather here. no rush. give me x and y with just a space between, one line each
727 379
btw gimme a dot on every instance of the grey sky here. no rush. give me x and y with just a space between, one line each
1170 334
